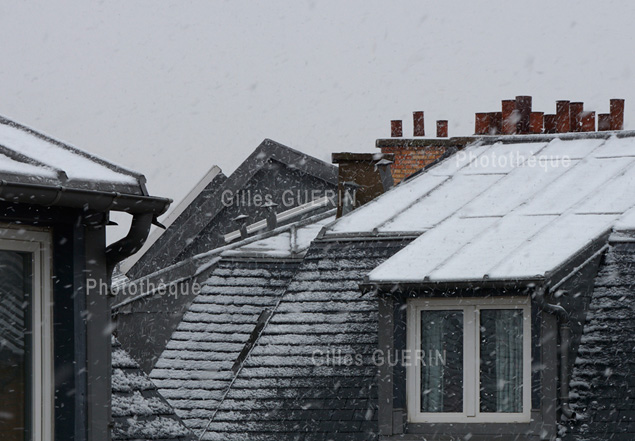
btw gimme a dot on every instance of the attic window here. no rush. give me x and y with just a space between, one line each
472 360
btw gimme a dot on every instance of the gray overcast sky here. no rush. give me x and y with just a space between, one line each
170 88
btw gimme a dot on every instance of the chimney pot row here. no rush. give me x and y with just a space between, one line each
550 123
518 118
536 122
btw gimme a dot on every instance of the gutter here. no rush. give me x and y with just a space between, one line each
126 247
144 209
94 200
565 339
387 286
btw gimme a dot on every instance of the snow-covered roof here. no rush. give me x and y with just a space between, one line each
288 244
27 156
138 410
494 211
196 368
287 389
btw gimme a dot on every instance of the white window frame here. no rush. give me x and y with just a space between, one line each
38 244
471 359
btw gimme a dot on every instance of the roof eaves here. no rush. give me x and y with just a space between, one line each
87 199
561 273
326 236
392 287
552 278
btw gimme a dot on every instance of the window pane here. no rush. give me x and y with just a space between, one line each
501 360
14 344
441 361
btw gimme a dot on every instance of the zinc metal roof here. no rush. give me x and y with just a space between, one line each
503 211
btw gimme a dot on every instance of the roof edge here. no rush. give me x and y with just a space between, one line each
38 194
391 287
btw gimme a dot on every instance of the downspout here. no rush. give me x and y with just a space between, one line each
126 247
565 339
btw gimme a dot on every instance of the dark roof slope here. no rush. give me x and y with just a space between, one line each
280 394
195 369
271 170
188 207
139 411
602 383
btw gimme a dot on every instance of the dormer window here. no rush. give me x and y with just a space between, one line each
472 360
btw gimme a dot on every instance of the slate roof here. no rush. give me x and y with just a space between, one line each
204 352
602 383
272 169
143 310
280 394
494 210
139 411
195 369
30 157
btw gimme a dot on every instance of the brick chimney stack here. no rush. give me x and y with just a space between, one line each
361 178
517 118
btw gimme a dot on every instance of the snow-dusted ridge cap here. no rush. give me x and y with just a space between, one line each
281 217
291 243
481 218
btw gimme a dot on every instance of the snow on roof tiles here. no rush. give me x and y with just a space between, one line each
26 155
602 388
195 369
138 410
282 392
494 211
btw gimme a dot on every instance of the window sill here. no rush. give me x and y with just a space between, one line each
479 431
